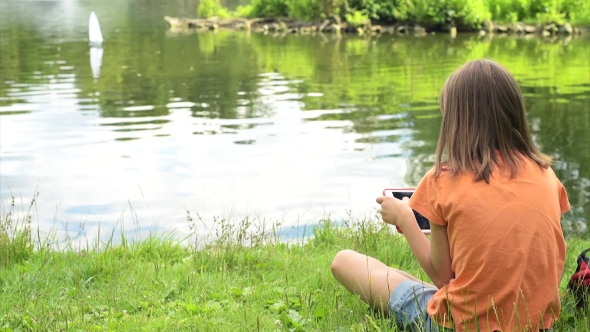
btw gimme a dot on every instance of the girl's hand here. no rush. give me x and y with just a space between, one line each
394 211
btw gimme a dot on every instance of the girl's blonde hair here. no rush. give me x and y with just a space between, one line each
484 123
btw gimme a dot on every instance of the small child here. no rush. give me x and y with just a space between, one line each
496 251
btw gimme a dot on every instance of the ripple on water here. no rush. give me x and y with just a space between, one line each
134 123
181 104
138 108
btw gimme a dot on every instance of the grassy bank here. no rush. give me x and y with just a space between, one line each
158 284
462 13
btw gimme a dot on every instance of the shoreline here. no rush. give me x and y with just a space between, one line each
335 25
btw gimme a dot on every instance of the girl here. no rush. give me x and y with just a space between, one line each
496 251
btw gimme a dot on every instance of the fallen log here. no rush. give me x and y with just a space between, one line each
334 24
257 24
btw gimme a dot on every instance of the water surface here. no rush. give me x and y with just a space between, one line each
227 124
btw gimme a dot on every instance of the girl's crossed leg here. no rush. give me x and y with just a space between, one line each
369 278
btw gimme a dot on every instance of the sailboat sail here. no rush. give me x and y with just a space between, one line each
94 33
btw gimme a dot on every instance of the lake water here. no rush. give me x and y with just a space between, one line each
229 124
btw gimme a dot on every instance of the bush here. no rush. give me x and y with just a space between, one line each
466 13
357 18
474 12
212 8
298 9
540 11
577 11
245 11
381 10
509 11
269 8
306 9
460 12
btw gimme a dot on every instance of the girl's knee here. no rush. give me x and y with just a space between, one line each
341 259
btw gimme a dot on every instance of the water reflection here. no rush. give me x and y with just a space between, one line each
229 123
96 60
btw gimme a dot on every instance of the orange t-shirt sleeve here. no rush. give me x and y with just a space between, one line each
425 199
564 203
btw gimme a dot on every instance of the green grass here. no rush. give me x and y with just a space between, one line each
242 281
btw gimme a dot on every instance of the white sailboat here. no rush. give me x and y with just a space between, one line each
94 33
95 39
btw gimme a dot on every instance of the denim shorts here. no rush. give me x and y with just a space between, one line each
407 304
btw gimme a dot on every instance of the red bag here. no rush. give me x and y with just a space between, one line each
579 283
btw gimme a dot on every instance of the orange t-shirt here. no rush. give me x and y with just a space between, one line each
507 248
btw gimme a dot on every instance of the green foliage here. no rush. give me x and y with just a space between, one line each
468 13
540 11
374 9
461 12
212 8
298 9
305 9
270 8
577 11
509 10
458 12
245 11
357 18
224 13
